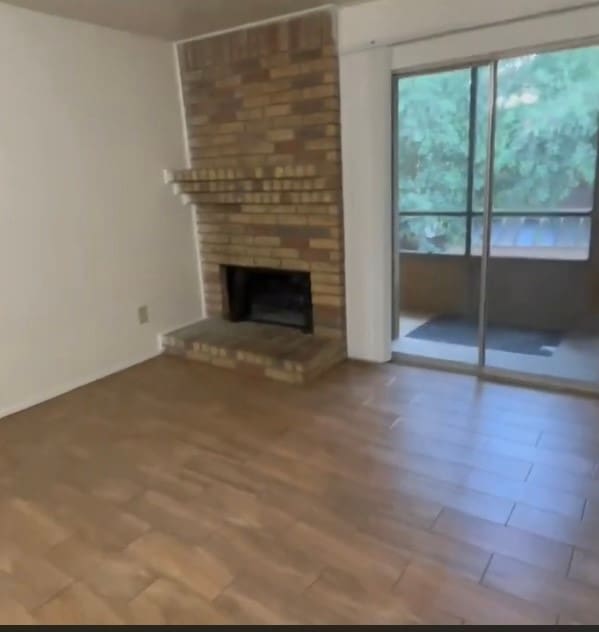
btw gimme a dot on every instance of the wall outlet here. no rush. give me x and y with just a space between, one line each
143 314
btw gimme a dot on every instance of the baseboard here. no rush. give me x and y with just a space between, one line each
65 388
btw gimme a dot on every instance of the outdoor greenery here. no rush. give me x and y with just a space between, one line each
546 142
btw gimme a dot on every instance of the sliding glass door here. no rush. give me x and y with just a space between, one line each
543 275
494 203
440 155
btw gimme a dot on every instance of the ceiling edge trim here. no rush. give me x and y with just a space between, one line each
248 25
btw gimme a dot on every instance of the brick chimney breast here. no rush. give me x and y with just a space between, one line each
262 114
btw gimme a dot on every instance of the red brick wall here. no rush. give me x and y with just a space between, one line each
262 110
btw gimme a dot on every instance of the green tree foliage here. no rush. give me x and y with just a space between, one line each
547 114
547 108
433 121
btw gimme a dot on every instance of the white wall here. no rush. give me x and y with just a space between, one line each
89 117
367 58
386 22
365 79
572 26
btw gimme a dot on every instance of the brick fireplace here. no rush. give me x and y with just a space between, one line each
262 115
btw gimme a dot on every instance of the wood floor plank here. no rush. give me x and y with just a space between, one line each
425 586
87 517
259 601
166 603
556 527
521 405
412 443
572 462
380 565
563 503
29 579
418 414
510 410
483 482
480 504
174 517
191 566
215 468
177 484
13 613
591 512
548 590
178 493
568 419
343 484
113 576
403 447
238 507
355 503
379 473
417 544
566 502
557 479
246 550
509 541
578 445
585 567
350 599
77 605
28 524
310 508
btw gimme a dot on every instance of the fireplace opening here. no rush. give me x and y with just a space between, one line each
268 296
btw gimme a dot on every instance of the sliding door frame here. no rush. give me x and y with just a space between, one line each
487 217
395 286
480 369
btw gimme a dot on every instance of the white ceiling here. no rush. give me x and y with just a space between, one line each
171 19
180 19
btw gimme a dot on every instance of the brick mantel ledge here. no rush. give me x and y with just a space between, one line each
290 184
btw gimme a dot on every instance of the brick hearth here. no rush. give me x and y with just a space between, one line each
280 353
262 113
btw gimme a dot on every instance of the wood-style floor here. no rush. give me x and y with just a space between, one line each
180 493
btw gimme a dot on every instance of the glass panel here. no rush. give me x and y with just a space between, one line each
433 234
481 125
543 312
432 142
547 132
438 295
